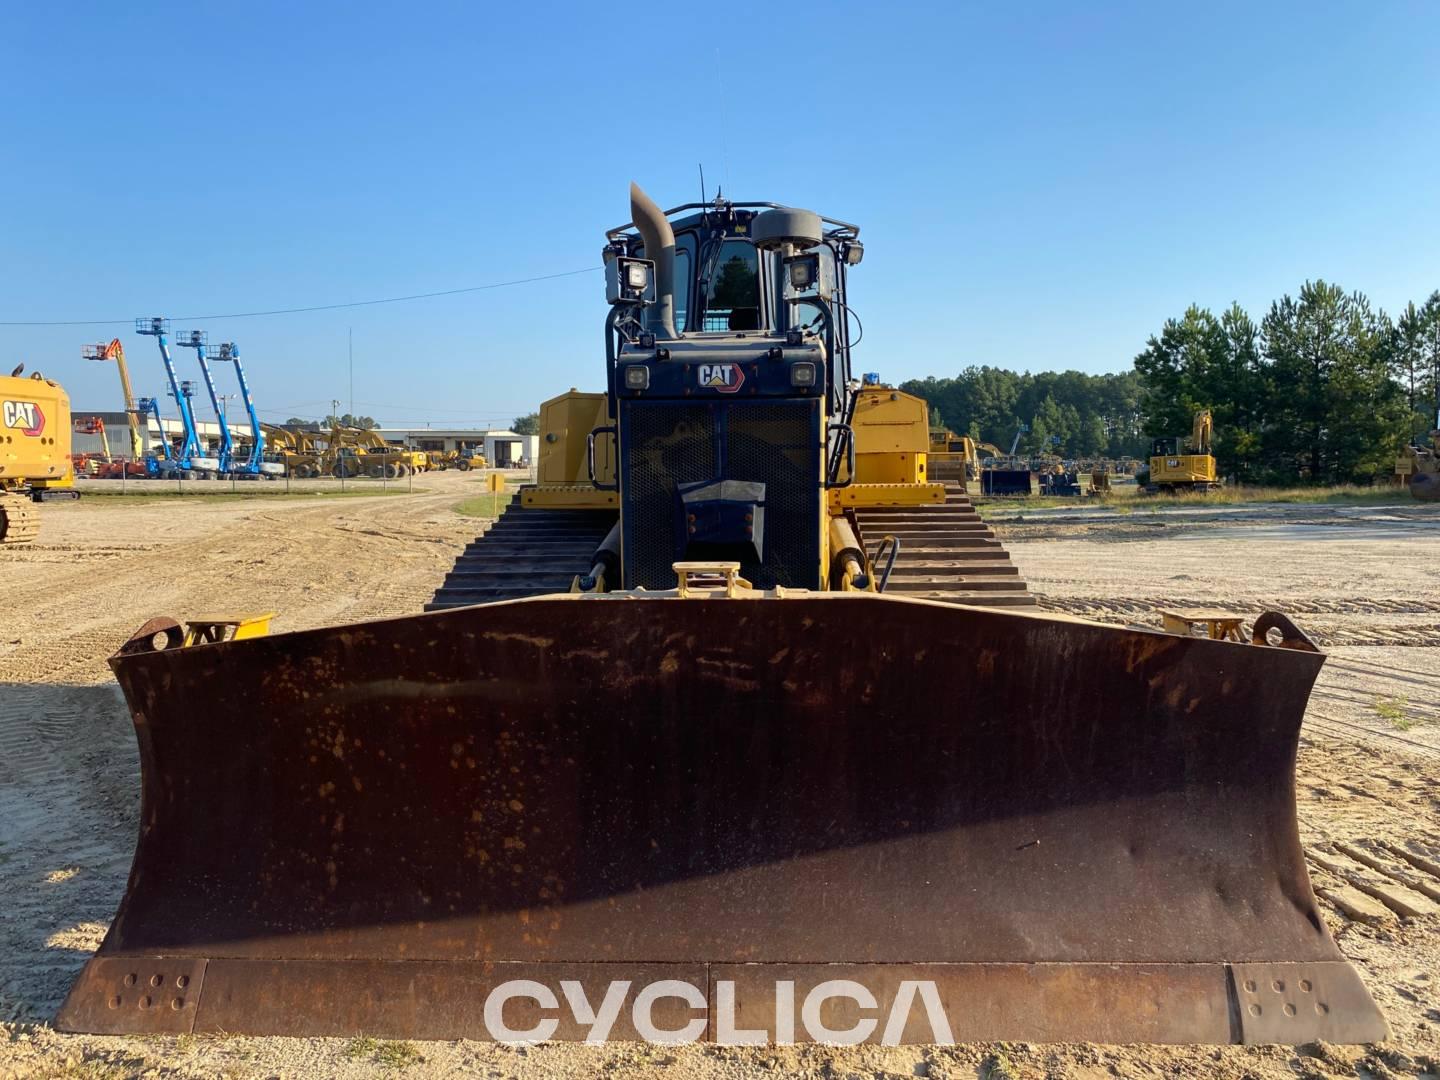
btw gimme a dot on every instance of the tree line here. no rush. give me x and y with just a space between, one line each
1323 389
1053 412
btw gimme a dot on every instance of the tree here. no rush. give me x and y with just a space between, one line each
365 423
1408 362
529 424
1430 392
1335 414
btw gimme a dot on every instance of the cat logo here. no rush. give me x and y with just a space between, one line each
25 415
726 378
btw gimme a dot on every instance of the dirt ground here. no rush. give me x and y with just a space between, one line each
1362 581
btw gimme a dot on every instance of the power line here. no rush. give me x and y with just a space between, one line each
315 307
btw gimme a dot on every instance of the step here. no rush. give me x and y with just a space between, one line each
869 524
948 554
515 575
945 542
925 532
523 562
930 569
966 583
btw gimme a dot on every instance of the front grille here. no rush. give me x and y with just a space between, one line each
776 444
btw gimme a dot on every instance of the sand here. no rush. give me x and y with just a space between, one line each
1363 582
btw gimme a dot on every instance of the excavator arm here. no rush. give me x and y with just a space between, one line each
1201 435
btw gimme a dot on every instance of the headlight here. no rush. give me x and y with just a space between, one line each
637 377
804 269
637 275
802 373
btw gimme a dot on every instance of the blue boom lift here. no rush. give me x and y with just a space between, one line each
191 458
164 464
197 339
253 463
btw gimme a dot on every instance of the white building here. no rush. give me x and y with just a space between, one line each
502 449
117 433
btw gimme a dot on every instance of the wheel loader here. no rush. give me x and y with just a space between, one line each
35 461
724 732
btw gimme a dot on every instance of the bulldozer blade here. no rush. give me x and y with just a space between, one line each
827 817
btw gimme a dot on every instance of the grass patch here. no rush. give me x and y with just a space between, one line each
116 498
390 1055
1335 494
1124 501
1393 710
398 1055
997 1066
485 506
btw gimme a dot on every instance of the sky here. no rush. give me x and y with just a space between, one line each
1039 186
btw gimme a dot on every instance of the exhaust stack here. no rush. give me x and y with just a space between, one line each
660 247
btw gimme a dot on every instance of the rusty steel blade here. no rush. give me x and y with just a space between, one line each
1074 831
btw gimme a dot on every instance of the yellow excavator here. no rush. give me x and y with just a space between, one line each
1175 468
733 727
957 457
35 462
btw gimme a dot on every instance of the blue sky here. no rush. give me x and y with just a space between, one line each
1039 186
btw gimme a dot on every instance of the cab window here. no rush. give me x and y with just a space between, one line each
732 293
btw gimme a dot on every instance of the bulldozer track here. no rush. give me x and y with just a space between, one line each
946 553
19 520
526 552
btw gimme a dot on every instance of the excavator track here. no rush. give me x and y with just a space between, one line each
946 553
527 552
19 520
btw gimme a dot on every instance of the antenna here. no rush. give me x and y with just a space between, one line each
702 183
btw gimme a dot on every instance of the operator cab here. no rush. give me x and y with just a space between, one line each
728 360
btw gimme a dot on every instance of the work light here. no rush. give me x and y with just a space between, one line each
802 373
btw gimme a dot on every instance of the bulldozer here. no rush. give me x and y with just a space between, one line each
674 756
35 443
1175 468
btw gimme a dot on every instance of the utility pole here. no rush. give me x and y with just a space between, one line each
350 347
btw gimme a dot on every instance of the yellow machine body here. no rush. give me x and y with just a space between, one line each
563 478
1174 467
892 436
1418 467
35 429
35 444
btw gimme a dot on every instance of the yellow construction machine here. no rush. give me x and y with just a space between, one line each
1174 467
1418 467
297 449
735 726
35 463
463 460
957 457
